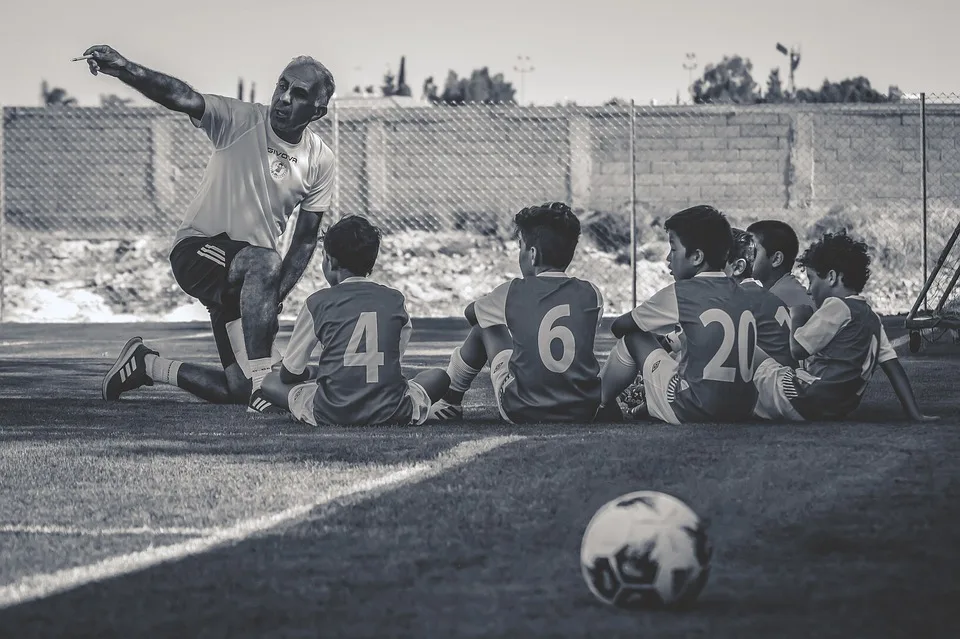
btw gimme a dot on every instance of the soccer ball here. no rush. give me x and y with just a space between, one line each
645 550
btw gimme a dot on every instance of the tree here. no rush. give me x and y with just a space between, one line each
774 88
479 88
396 85
850 90
729 81
113 101
618 102
430 90
55 97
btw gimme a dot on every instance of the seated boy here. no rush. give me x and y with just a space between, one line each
777 248
712 378
770 312
537 332
362 329
840 343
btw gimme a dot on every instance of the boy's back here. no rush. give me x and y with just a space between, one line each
715 371
553 320
773 322
846 340
363 329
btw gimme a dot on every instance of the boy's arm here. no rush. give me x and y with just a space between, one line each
303 341
658 315
811 331
799 316
901 386
471 313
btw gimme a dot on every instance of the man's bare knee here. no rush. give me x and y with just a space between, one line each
257 264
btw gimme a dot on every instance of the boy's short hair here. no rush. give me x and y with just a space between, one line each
354 243
703 228
743 248
553 228
773 236
841 253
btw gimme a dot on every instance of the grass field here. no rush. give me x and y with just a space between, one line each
161 516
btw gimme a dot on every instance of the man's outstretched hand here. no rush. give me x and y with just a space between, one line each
105 59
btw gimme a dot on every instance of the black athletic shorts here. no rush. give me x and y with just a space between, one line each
200 266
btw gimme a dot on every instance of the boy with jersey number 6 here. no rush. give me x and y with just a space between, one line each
362 330
711 380
536 332
840 344
266 163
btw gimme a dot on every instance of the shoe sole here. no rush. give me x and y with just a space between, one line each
125 353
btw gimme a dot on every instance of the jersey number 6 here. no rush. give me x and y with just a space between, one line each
548 332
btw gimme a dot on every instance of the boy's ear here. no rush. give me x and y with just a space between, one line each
535 255
776 259
833 278
697 258
739 267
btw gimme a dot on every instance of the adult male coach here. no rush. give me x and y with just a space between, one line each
265 163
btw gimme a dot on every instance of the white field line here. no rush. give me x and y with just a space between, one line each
68 531
40 586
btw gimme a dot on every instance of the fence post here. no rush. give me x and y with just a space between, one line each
923 185
336 161
633 203
3 218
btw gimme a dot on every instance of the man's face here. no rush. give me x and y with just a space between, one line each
294 102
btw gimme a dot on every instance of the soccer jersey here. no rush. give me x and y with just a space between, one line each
789 289
773 322
553 319
846 341
715 367
361 329
254 180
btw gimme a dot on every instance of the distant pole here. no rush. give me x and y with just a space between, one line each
923 186
633 203
253 91
240 89
3 234
690 65
523 67
794 56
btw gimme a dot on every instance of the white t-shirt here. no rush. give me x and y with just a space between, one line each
254 180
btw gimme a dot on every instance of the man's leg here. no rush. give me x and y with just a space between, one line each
255 272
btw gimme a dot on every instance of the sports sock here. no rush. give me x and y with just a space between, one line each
618 372
162 370
258 370
461 374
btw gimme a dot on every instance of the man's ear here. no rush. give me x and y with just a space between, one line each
321 111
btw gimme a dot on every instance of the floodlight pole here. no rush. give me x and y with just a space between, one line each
794 55
523 67
690 65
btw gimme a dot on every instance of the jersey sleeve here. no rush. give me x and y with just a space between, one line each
224 119
491 309
303 341
320 196
599 303
823 325
660 313
887 351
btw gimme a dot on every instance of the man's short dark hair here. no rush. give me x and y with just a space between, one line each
773 236
743 248
841 253
553 229
354 243
703 228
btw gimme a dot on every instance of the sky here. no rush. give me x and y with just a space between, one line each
588 52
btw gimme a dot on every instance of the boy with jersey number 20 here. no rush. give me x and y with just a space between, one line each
840 344
362 330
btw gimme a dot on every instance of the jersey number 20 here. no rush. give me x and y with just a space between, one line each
372 359
715 370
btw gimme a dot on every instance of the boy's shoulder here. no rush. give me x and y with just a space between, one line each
351 288
789 289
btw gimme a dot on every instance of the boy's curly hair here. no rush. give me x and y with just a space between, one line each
553 228
354 243
744 248
841 253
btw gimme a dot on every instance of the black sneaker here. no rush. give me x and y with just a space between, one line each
128 372
260 404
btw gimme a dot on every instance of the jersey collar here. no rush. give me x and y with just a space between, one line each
750 280
355 278
711 274
552 274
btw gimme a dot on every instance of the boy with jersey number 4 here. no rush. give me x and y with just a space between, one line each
362 330
711 380
840 344
537 332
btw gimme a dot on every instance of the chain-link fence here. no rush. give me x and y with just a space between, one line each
91 197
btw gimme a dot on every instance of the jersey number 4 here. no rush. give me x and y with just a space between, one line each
739 335
371 359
